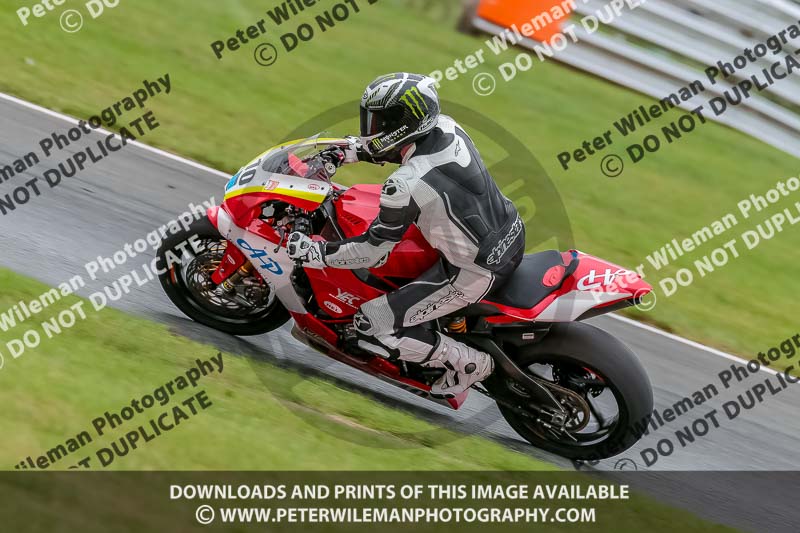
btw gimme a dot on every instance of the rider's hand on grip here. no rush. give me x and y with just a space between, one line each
301 248
356 152
353 151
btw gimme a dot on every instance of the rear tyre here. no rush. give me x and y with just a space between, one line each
251 309
573 352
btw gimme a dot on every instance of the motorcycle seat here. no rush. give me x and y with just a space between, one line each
537 276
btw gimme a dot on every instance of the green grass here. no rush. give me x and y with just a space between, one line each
224 112
262 418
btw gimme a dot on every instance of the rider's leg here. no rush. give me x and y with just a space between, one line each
394 325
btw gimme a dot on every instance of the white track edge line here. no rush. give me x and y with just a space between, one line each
200 166
138 144
685 341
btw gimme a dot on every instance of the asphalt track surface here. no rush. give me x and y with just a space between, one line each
131 193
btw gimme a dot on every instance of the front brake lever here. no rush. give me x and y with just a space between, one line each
282 234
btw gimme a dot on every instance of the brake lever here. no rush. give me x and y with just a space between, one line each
282 234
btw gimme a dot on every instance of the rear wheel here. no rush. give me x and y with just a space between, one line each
247 307
597 379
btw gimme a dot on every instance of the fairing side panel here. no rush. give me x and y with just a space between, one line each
355 211
274 267
595 284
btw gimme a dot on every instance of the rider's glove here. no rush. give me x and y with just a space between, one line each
356 152
300 247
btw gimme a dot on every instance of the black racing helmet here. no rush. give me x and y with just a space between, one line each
396 110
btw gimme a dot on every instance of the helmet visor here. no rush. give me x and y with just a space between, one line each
369 123
380 121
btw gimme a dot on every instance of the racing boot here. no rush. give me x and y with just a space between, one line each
465 367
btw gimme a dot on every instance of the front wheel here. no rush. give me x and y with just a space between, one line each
248 307
603 386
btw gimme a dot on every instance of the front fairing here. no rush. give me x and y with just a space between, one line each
292 173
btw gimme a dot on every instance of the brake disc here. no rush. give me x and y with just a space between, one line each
571 401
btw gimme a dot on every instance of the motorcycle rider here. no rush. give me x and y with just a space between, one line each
443 187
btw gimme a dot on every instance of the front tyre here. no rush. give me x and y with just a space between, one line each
612 394
250 308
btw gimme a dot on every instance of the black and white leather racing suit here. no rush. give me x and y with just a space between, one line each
445 189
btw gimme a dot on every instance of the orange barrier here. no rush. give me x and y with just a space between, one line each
542 17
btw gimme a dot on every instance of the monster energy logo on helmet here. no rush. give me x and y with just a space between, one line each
396 110
413 99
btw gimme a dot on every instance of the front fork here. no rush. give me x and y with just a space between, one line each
234 265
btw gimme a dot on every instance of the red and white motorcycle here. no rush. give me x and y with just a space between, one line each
563 385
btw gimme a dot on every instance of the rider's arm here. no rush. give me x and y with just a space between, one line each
398 211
